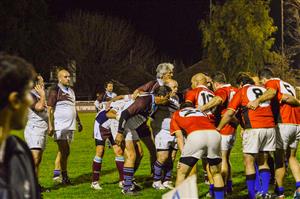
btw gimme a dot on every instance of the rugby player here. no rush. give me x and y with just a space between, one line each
223 94
202 140
165 144
286 110
103 130
37 125
259 136
141 108
106 96
62 121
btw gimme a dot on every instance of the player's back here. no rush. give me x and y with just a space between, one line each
284 113
262 117
191 119
199 96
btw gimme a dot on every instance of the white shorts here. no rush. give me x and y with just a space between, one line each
287 135
227 142
130 135
165 141
35 137
64 135
202 143
258 140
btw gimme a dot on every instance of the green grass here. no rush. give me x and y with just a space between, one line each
82 154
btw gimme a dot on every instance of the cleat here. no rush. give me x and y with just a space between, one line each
136 186
168 184
158 185
208 195
121 184
96 186
66 181
130 192
57 179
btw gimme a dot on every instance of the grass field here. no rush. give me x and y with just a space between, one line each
82 154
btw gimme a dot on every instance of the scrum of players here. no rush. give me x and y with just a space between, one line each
201 124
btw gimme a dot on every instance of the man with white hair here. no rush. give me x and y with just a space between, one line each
164 72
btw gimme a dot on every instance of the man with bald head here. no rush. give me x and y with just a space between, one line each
62 121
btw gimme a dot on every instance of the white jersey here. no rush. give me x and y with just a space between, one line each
63 101
37 118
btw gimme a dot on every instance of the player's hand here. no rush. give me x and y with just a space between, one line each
119 139
79 126
253 104
40 90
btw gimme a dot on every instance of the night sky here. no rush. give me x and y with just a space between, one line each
172 25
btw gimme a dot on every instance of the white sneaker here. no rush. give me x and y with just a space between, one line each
158 185
168 184
96 186
121 184
57 179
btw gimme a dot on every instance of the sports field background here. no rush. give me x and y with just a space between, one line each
80 170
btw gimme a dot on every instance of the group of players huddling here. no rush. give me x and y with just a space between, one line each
202 125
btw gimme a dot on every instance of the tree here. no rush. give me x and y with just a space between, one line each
239 36
292 31
105 48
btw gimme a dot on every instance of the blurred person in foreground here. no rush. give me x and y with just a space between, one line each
17 173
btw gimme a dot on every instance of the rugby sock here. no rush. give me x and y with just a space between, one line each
229 186
279 191
128 176
297 185
157 170
265 175
56 173
250 180
258 187
211 190
96 168
219 192
120 165
168 167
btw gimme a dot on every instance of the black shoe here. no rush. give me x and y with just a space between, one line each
66 181
43 189
136 186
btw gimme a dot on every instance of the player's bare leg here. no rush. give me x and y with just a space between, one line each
37 158
279 170
64 149
182 172
215 170
148 141
226 170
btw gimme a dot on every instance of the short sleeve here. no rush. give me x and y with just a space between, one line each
222 94
52 97
174 125
190 96
236 101
272 84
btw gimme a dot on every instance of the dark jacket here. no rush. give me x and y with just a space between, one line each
17 173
